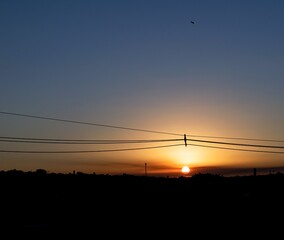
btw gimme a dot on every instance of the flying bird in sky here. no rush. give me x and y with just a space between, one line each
192 22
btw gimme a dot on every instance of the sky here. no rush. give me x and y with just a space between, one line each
142 65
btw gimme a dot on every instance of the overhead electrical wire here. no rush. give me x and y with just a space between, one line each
236 149
118 141
136 129
9 139
88 123
236 138
236 144
79 141
92 151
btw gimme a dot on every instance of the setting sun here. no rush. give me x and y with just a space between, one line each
185 169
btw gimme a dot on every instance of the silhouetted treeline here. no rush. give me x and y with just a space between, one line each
40 183
41 200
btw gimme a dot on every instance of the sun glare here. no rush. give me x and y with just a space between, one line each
185 169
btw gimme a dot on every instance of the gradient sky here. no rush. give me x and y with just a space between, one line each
141 64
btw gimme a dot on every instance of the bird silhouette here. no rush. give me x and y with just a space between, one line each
192 22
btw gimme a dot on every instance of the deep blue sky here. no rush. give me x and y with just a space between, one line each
142 64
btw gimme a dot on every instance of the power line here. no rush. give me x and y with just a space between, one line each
88 123
92 151
79 141
237 149
236 138
136 129
117 141
236 144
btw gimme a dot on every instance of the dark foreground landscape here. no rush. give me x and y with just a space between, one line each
41 205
